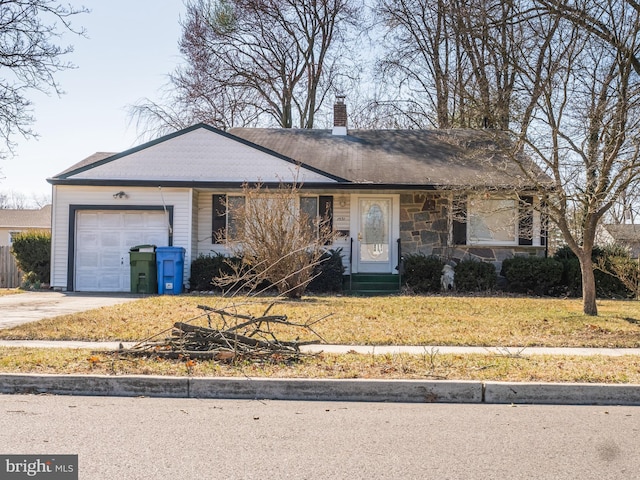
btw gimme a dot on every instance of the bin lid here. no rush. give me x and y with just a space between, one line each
143 248
171 249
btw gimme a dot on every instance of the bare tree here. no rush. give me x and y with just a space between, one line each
280 239
257 61
29 58
13 200
582 120
452 61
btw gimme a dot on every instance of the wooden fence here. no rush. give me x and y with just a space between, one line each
10 275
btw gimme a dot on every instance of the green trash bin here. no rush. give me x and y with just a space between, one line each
142 259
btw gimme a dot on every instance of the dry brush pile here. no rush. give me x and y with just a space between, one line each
233 337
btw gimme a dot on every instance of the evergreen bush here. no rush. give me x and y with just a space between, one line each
607 285
207 267
475 276
422 273
32 250
328 273
537 275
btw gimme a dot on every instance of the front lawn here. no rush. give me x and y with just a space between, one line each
395 320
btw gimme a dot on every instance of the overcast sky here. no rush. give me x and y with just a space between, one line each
131 47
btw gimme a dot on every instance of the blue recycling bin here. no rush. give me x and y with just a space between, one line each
170 263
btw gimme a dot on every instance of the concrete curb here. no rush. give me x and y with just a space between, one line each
404 391
401 391
95 385
559 393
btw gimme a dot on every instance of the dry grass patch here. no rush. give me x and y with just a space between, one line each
10 291
539 368
395 320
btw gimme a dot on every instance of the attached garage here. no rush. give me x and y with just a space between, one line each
102 242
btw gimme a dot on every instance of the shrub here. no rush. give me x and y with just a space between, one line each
475 276
538 275
32 250
571 275
207 267
612 261
607 285
422 273
328 273
280 245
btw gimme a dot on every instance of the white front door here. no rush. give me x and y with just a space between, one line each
103 240
376 234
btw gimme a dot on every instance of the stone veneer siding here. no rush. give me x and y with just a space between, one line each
425 228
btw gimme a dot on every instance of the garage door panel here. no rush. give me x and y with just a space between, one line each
158 239
110 220
110 239
87 259
134 238
90 219
103 240
157 221
88 238
111 260
111 283
89 282
134 220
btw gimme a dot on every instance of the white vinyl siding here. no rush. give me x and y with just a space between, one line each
103 198
201 155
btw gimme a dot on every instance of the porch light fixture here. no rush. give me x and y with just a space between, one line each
120 194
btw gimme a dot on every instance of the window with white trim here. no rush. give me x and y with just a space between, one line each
492 221
225 223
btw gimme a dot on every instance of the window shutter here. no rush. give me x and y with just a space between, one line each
219 218
525 221
325 209
459 221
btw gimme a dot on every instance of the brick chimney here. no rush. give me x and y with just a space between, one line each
339 116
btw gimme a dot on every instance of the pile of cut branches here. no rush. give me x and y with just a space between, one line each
235 337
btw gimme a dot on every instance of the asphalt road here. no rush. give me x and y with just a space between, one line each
162 438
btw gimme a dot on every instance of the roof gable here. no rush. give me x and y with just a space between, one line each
197 154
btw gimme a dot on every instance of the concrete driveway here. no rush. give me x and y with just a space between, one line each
32 306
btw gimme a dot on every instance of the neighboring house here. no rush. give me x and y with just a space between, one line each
389 193
626 235
14 221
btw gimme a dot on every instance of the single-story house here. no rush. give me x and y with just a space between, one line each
624 234
389 193
14 221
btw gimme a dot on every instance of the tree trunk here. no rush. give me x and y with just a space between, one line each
589 306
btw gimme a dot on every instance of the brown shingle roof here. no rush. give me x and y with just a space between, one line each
96 157
12 218
397 157
624 232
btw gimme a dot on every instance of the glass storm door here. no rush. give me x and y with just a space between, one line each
374 249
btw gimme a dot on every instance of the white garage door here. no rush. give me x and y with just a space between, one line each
103 240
